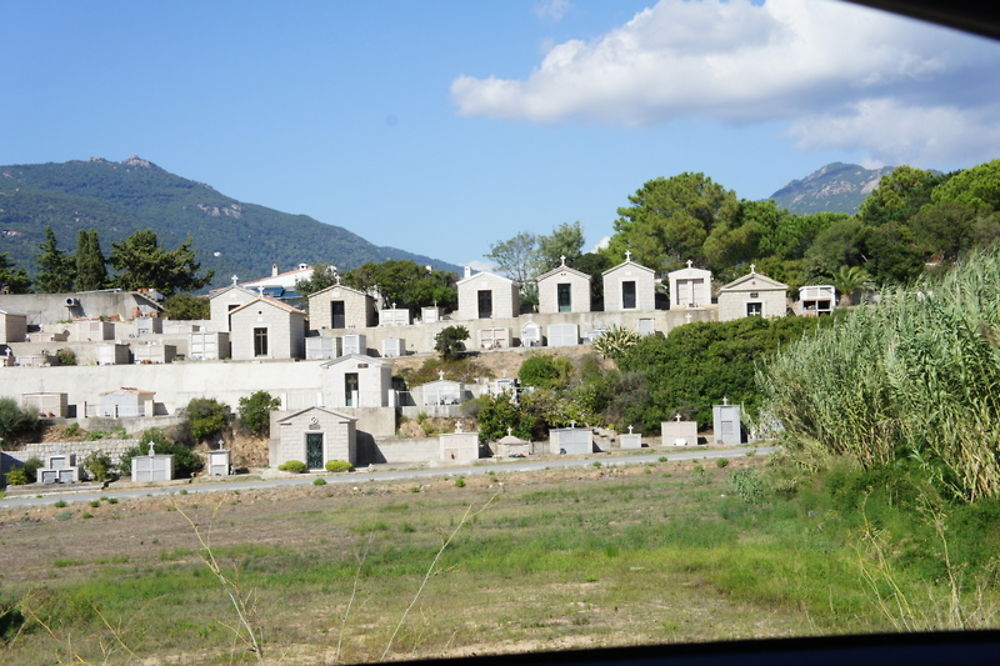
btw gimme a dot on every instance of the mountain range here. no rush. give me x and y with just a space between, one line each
836 187
120 198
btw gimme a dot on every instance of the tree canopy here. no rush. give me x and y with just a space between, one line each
405 283
142 264
91 266
56 270
13 280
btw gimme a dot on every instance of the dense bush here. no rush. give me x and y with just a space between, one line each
338 466
294 466
497 414
206 418
186 461
98 465
16 423
187 307
450 342
66 356
545 371
255 412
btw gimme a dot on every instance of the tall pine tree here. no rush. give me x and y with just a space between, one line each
91 269
13 280
56 270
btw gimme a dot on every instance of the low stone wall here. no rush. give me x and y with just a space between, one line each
113 447
416 450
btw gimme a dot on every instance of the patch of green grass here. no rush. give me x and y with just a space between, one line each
59 504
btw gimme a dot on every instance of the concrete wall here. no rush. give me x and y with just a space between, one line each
391 450
548 290
13 327
645 288
675 431
52 308
113 447
459 448
285 331
359 309
374 381
506 298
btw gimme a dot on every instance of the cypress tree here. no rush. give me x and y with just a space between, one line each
91 269
56 270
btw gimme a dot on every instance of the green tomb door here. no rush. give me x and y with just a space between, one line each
314 450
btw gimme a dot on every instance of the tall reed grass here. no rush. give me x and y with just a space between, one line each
915 378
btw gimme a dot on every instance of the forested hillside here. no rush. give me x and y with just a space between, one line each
119 198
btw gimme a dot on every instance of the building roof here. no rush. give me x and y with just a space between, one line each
755 280
129 389
341 286
355 357
482 274
268 301
219 292
280 276
628 263
690 271
299 413
562 269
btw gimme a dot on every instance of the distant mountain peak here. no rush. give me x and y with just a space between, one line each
836 187
136 161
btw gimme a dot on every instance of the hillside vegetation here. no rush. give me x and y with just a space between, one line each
120 198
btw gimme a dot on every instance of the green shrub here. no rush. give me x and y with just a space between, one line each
255 412
319 482
206 418
31 467
95 503
66 356
72 430
615 341
596 463
545 371
59 504
17 477
112 500
338 466
450 342
187 307
294 466
748 485
722 462
98 465
15 422
459 482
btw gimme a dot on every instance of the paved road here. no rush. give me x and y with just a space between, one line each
364 476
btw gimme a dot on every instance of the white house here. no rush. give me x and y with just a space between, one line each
267 328
314 436
223 301
629 287
341 307
690 287
487 296
563 289
752 295
284 281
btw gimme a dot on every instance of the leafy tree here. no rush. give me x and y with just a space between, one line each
143 264
186 461
898 196
255 412
497 414
323 276
840 244
98 465
517 257
206 417
56 270
16 422
187 307
566 240
946 228
847 280
450 342
893 254
670 219
978 187
406 284
91 266
13 280
545 371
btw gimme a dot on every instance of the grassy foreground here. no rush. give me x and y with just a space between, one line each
659 553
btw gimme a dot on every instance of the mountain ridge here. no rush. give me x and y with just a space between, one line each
119 198
835 187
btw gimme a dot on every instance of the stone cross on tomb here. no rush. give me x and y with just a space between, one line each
628 255
151 451
440 374
630 429
677 417
725 400
572 424
687 317
260 289
690 263
753 268
458 426
510 431
234 279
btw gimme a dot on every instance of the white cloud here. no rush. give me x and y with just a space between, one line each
834 71
553 10
601 244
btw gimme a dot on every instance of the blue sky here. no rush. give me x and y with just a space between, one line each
441 127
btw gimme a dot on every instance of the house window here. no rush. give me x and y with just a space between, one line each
485 304
260 342
232 306
337 317
351 389
628 295
755 309
564 297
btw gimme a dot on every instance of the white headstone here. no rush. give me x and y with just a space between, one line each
151 451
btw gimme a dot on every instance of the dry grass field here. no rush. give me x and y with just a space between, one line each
653 553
